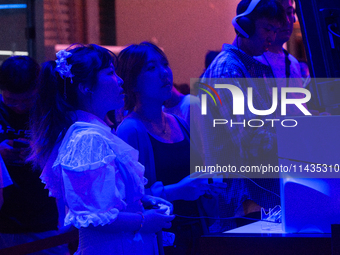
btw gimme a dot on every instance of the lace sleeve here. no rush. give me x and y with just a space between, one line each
86 174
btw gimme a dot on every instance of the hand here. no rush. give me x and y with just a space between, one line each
217 187
188 189
156 220
8 153
149 201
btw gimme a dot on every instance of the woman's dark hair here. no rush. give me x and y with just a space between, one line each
131 61
58 97
19 74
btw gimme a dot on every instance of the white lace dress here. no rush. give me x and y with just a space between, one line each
98 175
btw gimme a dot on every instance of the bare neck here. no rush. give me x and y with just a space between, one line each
175 99
149 111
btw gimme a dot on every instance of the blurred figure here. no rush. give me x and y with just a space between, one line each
283 64
28 213
256 25
162 139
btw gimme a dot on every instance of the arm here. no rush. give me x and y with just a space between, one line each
90 210
191 188
90 168
153 221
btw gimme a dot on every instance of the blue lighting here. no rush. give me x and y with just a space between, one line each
12 6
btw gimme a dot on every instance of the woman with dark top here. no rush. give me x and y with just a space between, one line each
162 139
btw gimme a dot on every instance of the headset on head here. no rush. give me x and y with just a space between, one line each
244 25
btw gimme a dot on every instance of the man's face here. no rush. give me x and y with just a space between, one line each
286 30
264 36
19 103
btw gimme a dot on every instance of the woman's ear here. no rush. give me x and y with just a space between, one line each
84 89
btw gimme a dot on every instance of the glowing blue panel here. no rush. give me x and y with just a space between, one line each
12 6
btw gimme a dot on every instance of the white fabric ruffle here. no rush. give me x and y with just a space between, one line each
92 218
88 174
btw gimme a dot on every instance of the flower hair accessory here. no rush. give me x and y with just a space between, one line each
63 68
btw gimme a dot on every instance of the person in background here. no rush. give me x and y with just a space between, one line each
283 64
162 139
256 26
27 213
94 172
285 67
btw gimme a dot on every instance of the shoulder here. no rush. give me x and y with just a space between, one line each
130 122
80 131
130 125
262 58
177 119
228 56
189 102
86 146
227 64
190 99
133 132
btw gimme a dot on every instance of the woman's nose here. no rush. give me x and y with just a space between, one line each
165 72
120 81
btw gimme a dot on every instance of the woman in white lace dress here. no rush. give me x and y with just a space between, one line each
93 171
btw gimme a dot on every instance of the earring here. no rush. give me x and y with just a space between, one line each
88 91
